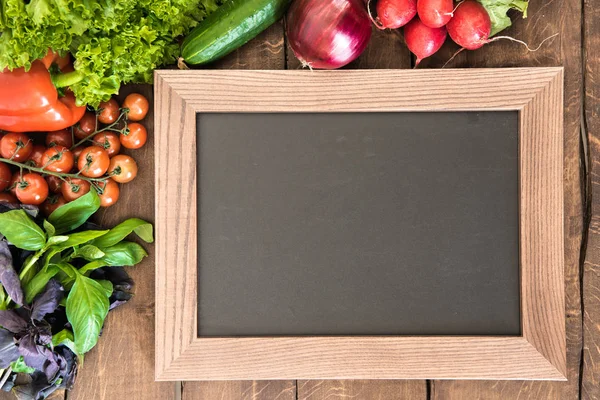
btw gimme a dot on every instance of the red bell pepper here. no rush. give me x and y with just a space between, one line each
29 100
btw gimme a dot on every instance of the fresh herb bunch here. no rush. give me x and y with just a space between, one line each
60 277
112 41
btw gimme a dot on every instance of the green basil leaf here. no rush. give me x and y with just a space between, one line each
54 240
80 238
72 215
31 272
20 230
107 285
142 228
89 252
64 338
87 307
123 254
39 282
19 366
92 266
49 228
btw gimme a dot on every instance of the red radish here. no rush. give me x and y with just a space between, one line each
471 25
422 40
328 34
394 14
435 13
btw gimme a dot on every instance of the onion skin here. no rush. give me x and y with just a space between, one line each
471 26
328 34
422 40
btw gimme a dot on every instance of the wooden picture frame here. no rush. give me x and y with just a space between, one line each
538 354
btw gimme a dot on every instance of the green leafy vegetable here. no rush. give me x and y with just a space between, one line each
21 231
73 215
90 252
20 366
64 338
124 253
113 42
142 228
87 307
498 9
38 283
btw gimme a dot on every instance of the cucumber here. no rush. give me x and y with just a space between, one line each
233 24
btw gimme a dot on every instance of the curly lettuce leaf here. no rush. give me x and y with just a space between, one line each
498 9
112 41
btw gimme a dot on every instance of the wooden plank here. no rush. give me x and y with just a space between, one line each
590 380
361 389
545 19
122 364
267 51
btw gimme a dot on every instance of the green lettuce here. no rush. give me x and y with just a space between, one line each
112 41
498 9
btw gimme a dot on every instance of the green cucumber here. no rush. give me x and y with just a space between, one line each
233 24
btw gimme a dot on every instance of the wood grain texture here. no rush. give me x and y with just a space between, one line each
362 389
121 366
544 19
181 355
590 388
267 51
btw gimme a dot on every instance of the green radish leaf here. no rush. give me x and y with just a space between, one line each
19 366
39 282
20 230
498 9
54 240
64 338
87 307
123 254
72 215
142 228
89 252
49 228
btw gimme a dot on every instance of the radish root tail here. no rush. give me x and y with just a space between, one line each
375 21
458 4
523 43
181 64
453 57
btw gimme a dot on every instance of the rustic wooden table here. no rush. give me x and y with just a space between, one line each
122 365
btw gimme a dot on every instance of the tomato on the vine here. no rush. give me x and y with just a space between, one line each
135 136
5 176
54 183
60 138
72 189
108 111
122 168
58 159
138 106
76 153
32 189
35 158
52 203
6 197
16 146
109 192
109 141
93 162
86 126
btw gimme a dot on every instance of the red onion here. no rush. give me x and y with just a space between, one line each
328 34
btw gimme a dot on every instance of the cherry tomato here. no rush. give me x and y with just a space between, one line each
6 197
60 138
110 193
137 105
16 146
109 142
37 153
5 176
86 126
32 189
52 203
93 162
12 186
122 168
58 159
73 189
54 183
76 153
135 136
109 111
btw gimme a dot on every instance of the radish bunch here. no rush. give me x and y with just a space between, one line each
427 23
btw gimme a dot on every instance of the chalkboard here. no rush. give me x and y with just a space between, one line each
358 223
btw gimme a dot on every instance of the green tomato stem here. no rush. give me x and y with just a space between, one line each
46 172
67 79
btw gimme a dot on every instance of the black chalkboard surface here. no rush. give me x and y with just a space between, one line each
358 224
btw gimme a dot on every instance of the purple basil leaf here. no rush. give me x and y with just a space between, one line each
9 351
68 366
47 301
12 321
38 356
8 276
38 389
